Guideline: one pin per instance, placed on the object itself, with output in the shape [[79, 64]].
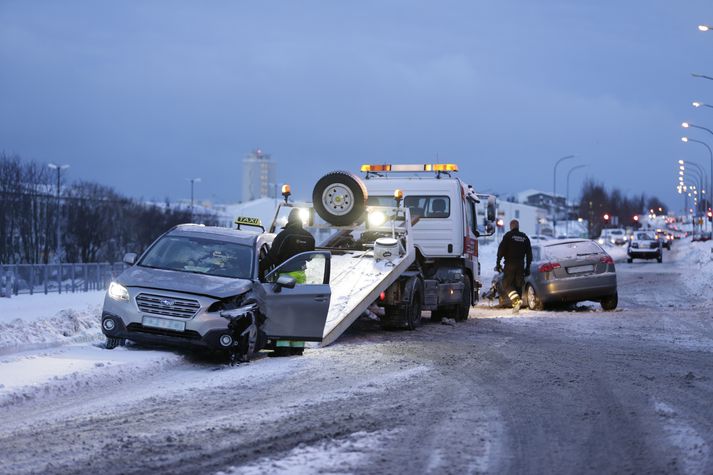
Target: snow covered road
[[581, 391]]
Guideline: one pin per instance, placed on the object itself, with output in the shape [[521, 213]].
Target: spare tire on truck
[[340, 198]]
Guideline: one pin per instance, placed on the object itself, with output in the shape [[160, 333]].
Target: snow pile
[[41, 321], [697, 262], [342, 455]]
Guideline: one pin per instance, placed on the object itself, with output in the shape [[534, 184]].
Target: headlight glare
[[377, 218], [118, 292]]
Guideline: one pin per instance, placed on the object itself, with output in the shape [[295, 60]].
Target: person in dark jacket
[[292, 240], [515, 248]]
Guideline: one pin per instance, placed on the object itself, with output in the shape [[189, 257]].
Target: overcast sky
[[142, 95]]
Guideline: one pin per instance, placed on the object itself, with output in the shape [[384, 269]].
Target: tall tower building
[[258, 176]]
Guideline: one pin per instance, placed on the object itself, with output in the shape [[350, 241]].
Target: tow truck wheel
[[340, 198], [413, 319], [463, 308], [437, 315]]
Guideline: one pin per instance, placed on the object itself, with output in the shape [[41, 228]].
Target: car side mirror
[[286, 281], [129, 258]]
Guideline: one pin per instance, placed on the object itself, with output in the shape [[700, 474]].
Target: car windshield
[[571, 250], [644, 237], [200, 255]]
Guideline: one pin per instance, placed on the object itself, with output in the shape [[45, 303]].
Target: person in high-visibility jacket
[[292, 240], [516, 249]]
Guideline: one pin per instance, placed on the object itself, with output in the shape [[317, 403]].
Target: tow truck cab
[[445, 214]]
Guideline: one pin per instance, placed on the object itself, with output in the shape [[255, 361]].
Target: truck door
[[298, 313]]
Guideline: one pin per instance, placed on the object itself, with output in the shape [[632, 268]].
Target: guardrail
[[16, 279]]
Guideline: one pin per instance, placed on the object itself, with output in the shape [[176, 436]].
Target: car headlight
[[376, 218], [118, 292]]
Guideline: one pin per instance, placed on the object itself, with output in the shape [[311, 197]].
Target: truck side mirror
[[286, 281], [129, 258], [491, 208]]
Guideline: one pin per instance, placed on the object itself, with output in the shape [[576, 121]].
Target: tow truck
[[402, 240]]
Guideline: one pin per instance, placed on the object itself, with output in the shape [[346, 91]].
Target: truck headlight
[[118, 292], [376, 218]]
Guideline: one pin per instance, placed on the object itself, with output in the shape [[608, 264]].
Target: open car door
[[297, 313]]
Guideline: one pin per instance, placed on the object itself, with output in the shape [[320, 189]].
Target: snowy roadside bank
[[30, 322], [696, 260]]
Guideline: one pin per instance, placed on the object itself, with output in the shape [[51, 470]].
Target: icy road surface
[[580, 391]]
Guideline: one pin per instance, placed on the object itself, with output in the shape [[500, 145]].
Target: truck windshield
[[200, 256]]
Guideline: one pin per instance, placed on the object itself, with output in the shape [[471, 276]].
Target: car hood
[[174, 281]]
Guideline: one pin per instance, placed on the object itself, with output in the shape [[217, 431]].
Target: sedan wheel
[[533, 300]]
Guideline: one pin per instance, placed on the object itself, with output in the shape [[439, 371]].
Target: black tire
[[340, 198], [112, 343], [463, 308], [533, 300], [437, 315], [413, 319], [610, 302]]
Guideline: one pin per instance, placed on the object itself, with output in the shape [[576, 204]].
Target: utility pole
[[554, 194], [59, 168], [193, 180]]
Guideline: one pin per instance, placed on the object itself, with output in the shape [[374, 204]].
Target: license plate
[[580, 269], [164, 324]]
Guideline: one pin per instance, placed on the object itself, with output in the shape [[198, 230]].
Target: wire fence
[[16, 279]]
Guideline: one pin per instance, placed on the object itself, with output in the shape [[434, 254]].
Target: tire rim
[[338, 199], [531, 297]]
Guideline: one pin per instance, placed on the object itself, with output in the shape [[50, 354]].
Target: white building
[[533, 220], [258, 176]]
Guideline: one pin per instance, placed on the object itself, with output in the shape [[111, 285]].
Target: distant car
[[613, 236], [570, 271], [665, 237], [539, 237], [644, 245]]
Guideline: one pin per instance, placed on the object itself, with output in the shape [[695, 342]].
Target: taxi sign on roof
[[248, 221]]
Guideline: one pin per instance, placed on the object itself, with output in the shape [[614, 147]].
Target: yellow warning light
[[286, 190], [398, 194], [445, 167], [376, 168]]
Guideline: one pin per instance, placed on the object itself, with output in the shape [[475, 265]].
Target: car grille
[[654, 245], [139, 328], [167, 306]]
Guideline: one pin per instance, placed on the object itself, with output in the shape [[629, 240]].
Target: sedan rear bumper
[[574, 289]]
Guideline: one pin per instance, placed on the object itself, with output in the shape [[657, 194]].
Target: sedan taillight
[[549, 267], [607, 260]]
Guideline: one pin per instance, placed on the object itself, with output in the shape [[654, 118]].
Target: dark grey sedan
[[570, 271]]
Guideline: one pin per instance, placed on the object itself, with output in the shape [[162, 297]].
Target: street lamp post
[[710, 156], [698, 104], [59, 168], [193, 181], [702, 76], [704, 28], [554, 193], [569, 173]]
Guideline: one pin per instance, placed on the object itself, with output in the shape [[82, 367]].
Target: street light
[[569, 173], [554, 192], [710, 156], [702, 76], [58, 251], [697, 104], [704, 28], [193, 181]]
